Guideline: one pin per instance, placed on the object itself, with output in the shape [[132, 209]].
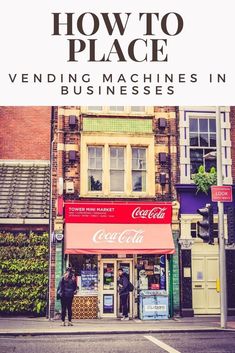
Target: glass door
[[126, 265], [108, 288], [109, 298]]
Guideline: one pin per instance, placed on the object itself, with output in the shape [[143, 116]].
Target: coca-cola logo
[[127, 236], [153, 213]]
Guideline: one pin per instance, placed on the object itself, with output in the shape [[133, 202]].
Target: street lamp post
[[222, 257]]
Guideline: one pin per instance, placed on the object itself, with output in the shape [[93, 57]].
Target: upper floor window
[[138, 169], [202, 139], [120, 165], [117, 169], [117, 108], [94, 108], [95, 169], [138, 108]]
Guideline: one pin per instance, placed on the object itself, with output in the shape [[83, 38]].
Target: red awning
[[106, 238]]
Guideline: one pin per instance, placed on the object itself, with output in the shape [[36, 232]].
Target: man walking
[[123, 290]]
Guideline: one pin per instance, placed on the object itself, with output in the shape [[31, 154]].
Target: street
[[197, 342]]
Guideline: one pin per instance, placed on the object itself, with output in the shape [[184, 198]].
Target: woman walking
[[65, 292]]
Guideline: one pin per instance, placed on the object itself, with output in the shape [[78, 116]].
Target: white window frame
[[116, 169], [206, 149], [96, 169], [133, 170], [184, 114], [127, 142]]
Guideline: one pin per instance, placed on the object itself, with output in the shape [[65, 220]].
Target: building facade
[[114, 205], [24, 208], [199, 262]]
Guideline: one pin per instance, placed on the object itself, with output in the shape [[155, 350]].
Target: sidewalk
[[42, 326]]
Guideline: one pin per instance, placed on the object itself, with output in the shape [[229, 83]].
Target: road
[[200, 342]]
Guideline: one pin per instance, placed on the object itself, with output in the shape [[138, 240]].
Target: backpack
[[131, 287]]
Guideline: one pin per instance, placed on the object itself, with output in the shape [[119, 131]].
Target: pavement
[[15, 326]]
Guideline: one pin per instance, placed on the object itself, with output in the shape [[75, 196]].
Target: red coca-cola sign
[[118, 212]]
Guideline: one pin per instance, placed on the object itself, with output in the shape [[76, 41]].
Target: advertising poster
[[117, 145]]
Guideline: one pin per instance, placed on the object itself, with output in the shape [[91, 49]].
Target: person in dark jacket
[[123, 290], [67, 288]]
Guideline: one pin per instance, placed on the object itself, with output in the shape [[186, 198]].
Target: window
[[202, 139], [94, 108], [86, 271], [95, 169], [117, 165], [138, 169], [116, 108], [116, 168], [138, 108]]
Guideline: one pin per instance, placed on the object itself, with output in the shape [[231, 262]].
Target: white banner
[[107, 53]]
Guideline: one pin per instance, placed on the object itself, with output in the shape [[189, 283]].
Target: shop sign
[[126, 212], [97, 238], [221, 193]]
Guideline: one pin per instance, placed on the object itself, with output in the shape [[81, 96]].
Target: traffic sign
[[221, 193]]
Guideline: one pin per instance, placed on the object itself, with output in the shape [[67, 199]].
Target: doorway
[[109, 303], [206, 297]]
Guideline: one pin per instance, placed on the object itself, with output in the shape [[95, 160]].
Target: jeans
[[66, 303], [124, 304]]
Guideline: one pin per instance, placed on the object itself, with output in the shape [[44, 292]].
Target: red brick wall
[[232, 121], [25, 133]]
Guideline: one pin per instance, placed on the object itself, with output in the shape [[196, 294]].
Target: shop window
[[108, 276], [138, 169], [95, 169], [117, 169], [202, 140], [86, 270], [151, 271]]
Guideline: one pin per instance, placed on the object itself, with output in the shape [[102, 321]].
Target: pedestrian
[[65, 292], [123, 290]]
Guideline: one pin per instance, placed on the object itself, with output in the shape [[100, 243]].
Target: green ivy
[[205, 180], [23, 273]]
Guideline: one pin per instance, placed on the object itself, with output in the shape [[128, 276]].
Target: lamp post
[[222, 257]]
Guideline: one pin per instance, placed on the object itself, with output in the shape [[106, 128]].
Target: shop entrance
[[109, 303]]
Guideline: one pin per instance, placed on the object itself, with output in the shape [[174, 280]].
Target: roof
[[24, 192]]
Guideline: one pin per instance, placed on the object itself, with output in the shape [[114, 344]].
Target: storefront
[[102, 237]]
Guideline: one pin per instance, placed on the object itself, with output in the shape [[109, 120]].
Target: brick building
[[107, 161], [25, 167]]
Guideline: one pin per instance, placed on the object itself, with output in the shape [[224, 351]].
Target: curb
[[113, 332]]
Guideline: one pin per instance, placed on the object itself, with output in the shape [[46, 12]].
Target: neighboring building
[[199, 262], [24, 208], [111, 167], [24, 168]]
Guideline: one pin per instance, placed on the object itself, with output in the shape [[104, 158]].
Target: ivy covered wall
[[23, 273]]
